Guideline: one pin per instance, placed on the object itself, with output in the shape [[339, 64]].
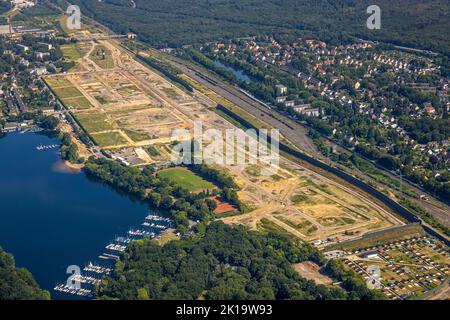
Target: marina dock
[[97, 269], [94, 272], [71, 290], [47, 147]]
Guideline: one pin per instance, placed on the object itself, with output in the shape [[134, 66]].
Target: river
[[50, 217]]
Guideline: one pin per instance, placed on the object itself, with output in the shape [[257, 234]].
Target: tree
[[227, 262], [143, 294], [49, 123], [212, 205], [18, 283]]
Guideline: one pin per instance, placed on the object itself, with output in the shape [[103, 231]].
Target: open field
[[58, 82], [102, 57], [311, 271], [167, 236], [95, 123], [133, 103], [108, 139], [75, 51], [314, 208], [302, 225], [78, 103], [67, 92], [186, 179], [267, 225]]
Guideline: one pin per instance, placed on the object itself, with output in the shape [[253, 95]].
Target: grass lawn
[[94, 122], [136, 136], [108, 139], [58, 82], [266, 225], [79, 103], [71, 51], [152, 151], [67, 92], [186, 179]]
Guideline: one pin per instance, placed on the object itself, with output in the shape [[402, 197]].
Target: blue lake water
[[239, 74], [51, 218]]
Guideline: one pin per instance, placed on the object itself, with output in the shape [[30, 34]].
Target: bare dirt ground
[[326, 209], [309, 270]]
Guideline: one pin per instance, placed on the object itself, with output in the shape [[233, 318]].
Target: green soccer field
[[186, 179]]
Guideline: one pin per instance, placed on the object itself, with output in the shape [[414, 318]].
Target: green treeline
[[223, 180], [18, 283], [264, 78], [436, 185], [48, 123], [158, 192], [81, 134], [220, 178], [69, 150], [173, 23], [226, 263], [200, 58]]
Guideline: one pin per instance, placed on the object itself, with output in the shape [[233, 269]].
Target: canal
[[239, 74], [51, 217]]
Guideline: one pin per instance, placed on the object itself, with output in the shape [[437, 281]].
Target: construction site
[[131, 111]]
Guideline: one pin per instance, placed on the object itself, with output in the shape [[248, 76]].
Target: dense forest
[[172, 23], [17, 283], [226, 263]]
